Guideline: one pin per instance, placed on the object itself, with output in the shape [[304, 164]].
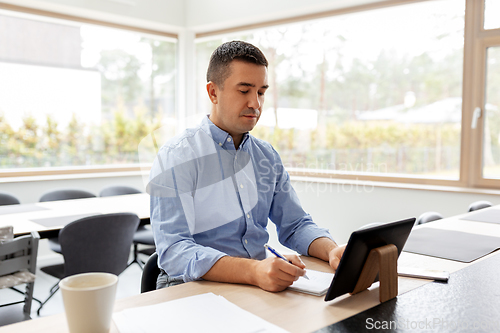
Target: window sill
[[394, 185], [69, 176]]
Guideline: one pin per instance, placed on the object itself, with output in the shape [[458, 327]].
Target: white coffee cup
[[88, 301]]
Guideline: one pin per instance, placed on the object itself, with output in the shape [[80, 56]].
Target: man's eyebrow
[[246, 84]]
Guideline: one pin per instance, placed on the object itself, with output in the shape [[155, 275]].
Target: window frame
[[478, 44]]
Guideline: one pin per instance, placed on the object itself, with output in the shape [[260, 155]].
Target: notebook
[[317, 285]]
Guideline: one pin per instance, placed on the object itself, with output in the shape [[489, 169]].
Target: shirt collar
[[220, 136]]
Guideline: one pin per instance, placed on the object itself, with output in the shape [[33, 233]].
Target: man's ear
[[212, 92]]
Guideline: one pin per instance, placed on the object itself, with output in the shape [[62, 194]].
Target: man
[[214, 187]]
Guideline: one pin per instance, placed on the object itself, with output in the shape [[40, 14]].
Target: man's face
[[238, 106]]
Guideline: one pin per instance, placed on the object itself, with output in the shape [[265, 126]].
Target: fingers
[[296, 260], [335, 256], [294, 270], [334, 263], [277, 274]]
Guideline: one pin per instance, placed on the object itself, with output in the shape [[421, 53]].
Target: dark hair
[[218, 67]]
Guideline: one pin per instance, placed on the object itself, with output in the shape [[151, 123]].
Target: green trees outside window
[[87, 99]]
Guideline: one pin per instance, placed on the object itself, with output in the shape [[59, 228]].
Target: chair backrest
[[99, 243], [8, 199], [65, 194], [118, 190], [369, 225], [19, 253], [428, 217], [150, 274], [479, 205]]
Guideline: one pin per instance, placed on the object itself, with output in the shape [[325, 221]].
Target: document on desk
[[317, 285], [488, 216], [201, 313], [450, 244]]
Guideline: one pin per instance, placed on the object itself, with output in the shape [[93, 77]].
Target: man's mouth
[[254, 114]]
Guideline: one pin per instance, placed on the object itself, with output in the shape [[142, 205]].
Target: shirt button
[[241, 185], [228, 139], [246, 241], [248, 215], [220, 143]]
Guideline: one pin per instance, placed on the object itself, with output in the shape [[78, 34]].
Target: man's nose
[[254, 101]]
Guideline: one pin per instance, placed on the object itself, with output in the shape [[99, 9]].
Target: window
[[491, 17], [491, 140], [364, 93], [398, 91], [79, 95]]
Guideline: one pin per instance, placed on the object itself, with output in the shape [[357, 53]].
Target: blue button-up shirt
[[209, 200]]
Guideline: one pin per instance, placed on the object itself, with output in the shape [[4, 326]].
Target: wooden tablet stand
[[384, 261]]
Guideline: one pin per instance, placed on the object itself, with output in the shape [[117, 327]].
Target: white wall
[[343, 208], [202, 15], [195, 15], [163, 15]]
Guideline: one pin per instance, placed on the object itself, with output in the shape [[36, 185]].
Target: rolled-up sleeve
[[178, 254], [295, 227]]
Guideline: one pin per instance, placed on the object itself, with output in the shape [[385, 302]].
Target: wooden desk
[[304, 313], [293, 311], [24, 218]]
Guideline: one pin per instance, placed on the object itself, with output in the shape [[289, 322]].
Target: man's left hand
[[335, 255]]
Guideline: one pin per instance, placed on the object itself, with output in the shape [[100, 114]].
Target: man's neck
[[237, 140]]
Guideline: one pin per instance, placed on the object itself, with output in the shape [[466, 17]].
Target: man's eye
[[261, 93], [243, 91]]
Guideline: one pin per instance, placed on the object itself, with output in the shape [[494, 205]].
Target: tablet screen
[[359, 246]]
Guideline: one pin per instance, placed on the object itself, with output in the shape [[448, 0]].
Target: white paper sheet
[[317, 285], [201, 313]]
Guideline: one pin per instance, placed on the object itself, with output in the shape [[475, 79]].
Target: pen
[[277, 254]]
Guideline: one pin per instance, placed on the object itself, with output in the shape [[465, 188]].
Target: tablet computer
[[359, 246]]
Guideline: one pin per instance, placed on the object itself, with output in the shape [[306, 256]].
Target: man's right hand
[[275, 274]]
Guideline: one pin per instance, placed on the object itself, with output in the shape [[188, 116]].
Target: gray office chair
[[143, 235], [118, 190], [150, 274], [369, 225], [63, 194], [99, 243], [479, 205], [8, 199], [17, 266], [428, 217]]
